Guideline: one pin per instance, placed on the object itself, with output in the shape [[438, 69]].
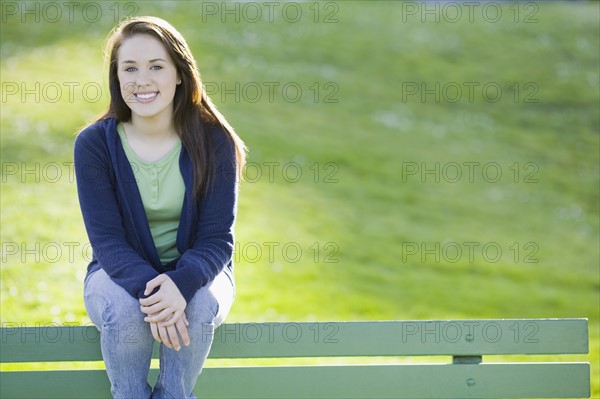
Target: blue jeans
[[126, 339]]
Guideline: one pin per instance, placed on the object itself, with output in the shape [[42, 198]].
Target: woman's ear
[[178, 80]]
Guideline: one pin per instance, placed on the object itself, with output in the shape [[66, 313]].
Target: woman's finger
[[154, 329], [157, 307], [182, 329], [169, 322], [155, 282], [164, 336], [152, 299], [160, 316], [172, 331]]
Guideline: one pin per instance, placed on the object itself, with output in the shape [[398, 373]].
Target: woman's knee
[[212, 303], [108, 303], [203, 308]]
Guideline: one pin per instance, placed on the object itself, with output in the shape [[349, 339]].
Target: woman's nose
[[142, 79]]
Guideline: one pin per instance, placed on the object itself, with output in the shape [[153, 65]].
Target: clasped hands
[[165, 312]]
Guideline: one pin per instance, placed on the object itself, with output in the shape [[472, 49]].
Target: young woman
[[157, 183]]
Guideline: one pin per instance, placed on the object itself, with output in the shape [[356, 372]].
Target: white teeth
[[146, 96]]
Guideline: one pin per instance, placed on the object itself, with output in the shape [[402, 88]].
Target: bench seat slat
[[531, 380], [385, 338]]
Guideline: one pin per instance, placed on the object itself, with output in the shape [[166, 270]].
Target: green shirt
[[162, 190]]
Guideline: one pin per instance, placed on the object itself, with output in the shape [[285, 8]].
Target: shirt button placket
[[154, 184]]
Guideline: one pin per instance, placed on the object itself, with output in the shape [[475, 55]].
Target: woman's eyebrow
[[149, 61]]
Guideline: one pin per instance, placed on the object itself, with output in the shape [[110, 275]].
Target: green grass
[[362, 209]]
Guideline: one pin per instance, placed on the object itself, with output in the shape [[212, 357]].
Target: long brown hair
[[193, 111]]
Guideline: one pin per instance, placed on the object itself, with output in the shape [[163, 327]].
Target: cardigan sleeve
[[213, 245], [96, 188]]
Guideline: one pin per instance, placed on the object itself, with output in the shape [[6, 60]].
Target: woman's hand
[[164, 307], [168, 335]]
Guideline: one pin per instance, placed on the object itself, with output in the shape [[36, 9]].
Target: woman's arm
[[102, 216], [211, 251], [214, 241]]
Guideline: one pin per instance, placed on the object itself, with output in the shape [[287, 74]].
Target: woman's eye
[[129, 69], [156, 67]]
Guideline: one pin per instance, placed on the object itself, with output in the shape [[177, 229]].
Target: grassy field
[[400, 168]]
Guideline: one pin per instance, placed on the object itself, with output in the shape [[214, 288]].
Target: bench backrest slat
[[324, 339]]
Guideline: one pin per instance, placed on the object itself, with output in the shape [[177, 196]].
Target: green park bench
[[466, 376]]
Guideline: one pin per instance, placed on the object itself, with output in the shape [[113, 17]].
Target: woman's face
[[147, 76]]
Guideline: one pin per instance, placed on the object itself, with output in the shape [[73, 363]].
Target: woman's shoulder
[[219, 136], [100, 126], [223, 144], [214, 129], [96, 132]]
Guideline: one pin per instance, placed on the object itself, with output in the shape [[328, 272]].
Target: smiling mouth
[[146, 96]]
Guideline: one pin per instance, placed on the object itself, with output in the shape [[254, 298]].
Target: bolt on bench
[[467, 341]]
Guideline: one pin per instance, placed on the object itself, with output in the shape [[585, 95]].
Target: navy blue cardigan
[[116, 222]]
